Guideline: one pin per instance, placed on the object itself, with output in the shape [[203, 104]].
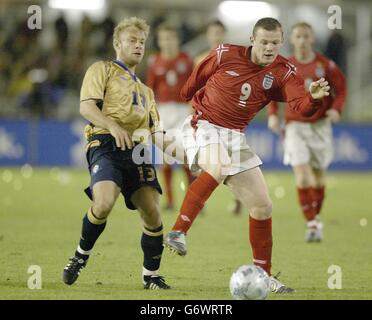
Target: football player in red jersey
[[228, 88], [167, 73], [308, 146]]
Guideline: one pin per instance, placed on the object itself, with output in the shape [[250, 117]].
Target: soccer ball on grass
[[249, 282]]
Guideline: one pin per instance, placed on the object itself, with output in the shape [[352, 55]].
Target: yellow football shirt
[[121, 96]]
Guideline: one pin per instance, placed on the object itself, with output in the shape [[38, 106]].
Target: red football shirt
[[228, 89], [167, 76], [312, 71]]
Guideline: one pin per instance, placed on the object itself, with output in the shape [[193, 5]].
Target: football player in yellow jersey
[[117, 105]]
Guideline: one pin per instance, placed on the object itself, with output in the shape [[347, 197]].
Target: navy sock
[[89, 235], [152, 246]]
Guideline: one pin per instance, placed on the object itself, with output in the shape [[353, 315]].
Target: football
[[249, 282]]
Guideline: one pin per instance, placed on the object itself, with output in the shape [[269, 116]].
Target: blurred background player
[[167, 72], [117, 103], [215, 34], [308, 145]]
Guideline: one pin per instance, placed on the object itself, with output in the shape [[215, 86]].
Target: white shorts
[[308, 143], [241, 155], [173, 114]]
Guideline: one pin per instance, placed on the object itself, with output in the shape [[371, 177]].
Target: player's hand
[[123, 139], [273, 123], [319, 89], [333, 115], [170, 146]]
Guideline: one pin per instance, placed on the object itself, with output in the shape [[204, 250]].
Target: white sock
[[146, 272], [81, 251]]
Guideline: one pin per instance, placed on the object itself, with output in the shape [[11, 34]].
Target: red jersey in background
[[167, 76], [320, 67]]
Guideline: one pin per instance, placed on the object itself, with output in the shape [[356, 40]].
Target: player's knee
[[151, 216], [218, 171], [304, 178], [262, 211], [152, 210], [303, 181], [102, 208]]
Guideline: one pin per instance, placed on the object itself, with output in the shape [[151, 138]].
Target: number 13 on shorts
[[146, 174]]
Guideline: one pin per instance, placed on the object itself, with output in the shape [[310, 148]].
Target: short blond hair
[[130, 22], [303, 25]]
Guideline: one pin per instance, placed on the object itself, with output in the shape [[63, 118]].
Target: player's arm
[[273, 121], [169, 145], [339, 91], [306, 103], [90, 111], [92, 91], [165, 143], [199, 76]]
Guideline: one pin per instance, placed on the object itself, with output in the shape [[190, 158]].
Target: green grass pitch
[[40, 221]]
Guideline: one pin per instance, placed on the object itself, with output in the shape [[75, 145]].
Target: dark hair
[[269, 24], [216, 23]]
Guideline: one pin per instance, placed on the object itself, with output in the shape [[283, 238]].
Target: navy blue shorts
[[107, 162]]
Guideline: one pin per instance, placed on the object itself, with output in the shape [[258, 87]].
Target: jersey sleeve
[[154, 117], [337, 83], [199, 76], [293, 92], [94, 82]]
